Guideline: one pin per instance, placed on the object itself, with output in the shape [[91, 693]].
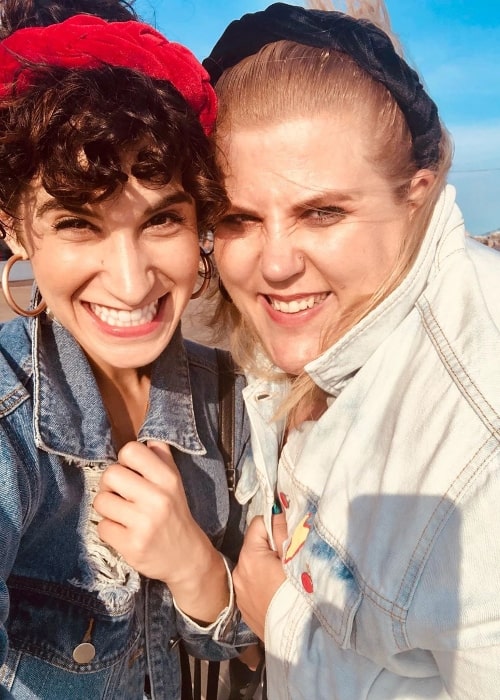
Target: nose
[[281, 259], [128, 271]]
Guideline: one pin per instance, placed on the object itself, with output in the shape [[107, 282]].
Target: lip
[[141, 331], [297, 318]]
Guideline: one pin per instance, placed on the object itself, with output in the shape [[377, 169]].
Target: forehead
[[312, 153], [136, 195]]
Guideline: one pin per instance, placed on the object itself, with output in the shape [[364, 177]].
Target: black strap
[[191, 683], [243, 684], [212, 680], [226, 446], [186, 682], [227, 392]]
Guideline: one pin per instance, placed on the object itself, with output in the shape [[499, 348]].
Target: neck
[[125, 395]]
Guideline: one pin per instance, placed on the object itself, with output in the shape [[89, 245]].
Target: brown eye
[[72, 222], [236, 222], [166, 218]]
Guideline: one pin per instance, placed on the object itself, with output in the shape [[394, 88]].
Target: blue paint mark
[[323, 551], [341, 570]]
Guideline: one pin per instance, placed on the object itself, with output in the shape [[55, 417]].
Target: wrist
[[202, 590]]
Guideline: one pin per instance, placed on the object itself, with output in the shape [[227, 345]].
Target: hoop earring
[[224, 293], [8, 295], [206, 275]]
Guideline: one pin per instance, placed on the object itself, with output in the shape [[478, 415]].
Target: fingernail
[[276, 509]]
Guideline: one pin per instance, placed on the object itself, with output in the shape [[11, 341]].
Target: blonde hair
[[285, 79], [374, 11]]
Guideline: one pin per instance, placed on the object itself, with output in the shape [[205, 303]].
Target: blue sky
[[454, 45]]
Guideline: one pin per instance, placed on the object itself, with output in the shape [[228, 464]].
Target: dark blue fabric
[[368, 45]]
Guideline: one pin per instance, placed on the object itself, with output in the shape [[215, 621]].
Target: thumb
[[161, 450], [280, 532], [256, 534]]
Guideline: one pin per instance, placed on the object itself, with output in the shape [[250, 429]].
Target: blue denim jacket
[[76, 622], [391, 498]]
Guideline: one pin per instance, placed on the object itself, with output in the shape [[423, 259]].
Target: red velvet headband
[[85, 41]]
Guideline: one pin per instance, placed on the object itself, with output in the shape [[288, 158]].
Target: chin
[[293, 361], [292, 366]]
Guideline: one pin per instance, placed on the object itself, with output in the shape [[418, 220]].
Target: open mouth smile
[[121, 318], [296, 305]]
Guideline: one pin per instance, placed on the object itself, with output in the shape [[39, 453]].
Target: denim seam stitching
[[432, 325]]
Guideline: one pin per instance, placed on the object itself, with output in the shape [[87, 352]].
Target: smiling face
[[313, 231], [117, 274]]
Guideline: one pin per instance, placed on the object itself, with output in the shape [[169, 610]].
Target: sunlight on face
[[313, 232], [117, 274]]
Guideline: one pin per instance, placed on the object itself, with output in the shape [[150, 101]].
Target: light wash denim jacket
[[76, 622], [392, 497]]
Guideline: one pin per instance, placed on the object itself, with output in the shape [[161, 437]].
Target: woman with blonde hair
[[369, 328]]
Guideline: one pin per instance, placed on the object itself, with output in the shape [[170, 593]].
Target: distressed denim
[[392, 497], [63, 592]]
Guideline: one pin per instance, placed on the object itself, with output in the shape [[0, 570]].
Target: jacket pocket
[[68, 627]]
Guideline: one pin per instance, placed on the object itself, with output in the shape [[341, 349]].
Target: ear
[[420, 187], [11, 239]]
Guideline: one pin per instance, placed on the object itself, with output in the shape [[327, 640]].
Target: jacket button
[[84, 653], [307, 583], [173, 642]]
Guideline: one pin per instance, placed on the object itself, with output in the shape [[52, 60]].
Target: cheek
[[55, 275], [234, 259], [191, 280], [194, 266], [358, 268], [180, 261]]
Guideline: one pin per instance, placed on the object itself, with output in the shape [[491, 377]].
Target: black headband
[[368, 45]]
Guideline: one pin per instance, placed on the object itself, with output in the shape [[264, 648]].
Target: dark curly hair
[[19, 14], [103, 113]]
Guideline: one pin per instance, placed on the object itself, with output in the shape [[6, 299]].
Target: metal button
[[173, 642], [84, 653]]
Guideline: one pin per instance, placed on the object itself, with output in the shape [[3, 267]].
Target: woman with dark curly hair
[[107, 186]]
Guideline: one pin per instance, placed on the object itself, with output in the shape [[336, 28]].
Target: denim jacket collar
[[81, 432], [333, 369]]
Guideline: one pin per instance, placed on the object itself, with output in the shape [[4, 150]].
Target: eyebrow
[[54, 205], [176, 197], [325, 197], [318, 200]]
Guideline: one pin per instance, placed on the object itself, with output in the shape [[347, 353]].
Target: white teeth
[[125, 319], [293, 307]]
